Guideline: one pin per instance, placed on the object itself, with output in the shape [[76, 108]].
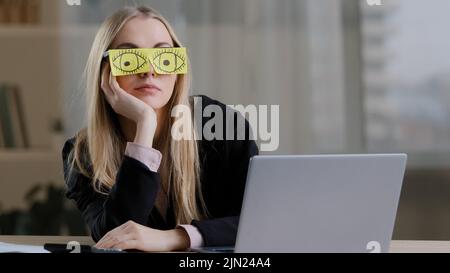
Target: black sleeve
[[131, 198], [222, 231]]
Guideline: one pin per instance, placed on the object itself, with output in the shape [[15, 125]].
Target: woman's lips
[[148, 88]]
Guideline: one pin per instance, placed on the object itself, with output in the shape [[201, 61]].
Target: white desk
[[420, 247], [396, 246]]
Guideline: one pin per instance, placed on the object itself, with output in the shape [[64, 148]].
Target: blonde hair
[[103, 141]]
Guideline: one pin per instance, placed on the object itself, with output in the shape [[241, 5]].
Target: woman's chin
[[154, 103], [155, 100]]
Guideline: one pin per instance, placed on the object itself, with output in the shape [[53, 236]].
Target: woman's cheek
[[125, 82], [171, 84]]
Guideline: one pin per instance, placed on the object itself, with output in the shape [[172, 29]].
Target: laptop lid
[[321, 203]]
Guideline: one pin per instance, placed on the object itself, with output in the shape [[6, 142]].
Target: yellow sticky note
[[138, 60]]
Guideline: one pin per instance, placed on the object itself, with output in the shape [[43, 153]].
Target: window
[[407, 79]]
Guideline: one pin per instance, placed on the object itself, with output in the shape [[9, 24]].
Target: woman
[[136, 186]]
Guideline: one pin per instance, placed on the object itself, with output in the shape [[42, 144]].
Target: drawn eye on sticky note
[[128, 61], [169, 60], [138, 60]]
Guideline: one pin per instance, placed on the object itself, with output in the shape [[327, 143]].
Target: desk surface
[[396, 246], [41, 240]]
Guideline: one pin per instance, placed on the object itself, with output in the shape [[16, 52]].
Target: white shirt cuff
[[146, 155], [195, 237]]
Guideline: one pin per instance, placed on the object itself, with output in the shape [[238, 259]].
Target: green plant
[[54, 215]]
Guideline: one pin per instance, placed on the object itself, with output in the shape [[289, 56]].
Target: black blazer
[[224, 165]]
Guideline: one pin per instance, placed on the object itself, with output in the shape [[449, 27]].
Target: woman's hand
[[130, 107], [135, 236], [123, 103]]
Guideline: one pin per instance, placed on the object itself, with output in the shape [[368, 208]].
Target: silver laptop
[[320, 203]]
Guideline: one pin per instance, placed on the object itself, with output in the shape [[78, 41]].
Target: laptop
[[319, 203]]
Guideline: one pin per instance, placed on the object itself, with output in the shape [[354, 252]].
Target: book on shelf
[[15, 11], [5, 120], [20, 11], [33, 11], [12, 121], [2, 141], [3, 14]]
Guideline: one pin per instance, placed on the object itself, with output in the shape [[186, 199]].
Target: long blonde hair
[[103, 141]]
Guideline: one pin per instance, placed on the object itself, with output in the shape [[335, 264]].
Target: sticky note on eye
[[138, 60]]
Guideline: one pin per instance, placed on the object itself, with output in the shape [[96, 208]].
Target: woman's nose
[[150, 72]]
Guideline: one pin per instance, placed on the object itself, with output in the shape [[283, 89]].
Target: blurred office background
[[349, 78]]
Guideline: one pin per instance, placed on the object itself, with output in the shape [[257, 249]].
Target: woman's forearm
[[145, 132], [177, 239]]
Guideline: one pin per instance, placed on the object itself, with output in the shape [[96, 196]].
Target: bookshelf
[[49, 90], [29, 34], [45, 59], [32, 52], [27, 30], [26, 155]]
